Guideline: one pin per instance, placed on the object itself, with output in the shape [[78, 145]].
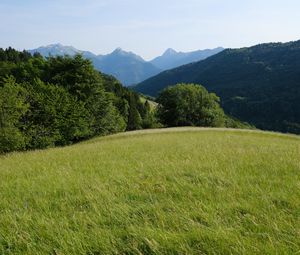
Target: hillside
[[260, 84], [172, 191], [171, 58]]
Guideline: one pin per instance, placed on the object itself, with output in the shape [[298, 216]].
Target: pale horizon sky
[[147, 28]]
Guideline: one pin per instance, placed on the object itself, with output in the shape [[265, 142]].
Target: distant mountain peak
[[58, 46], [172, 58], [120, 52], [119, 49], [54, 45], [56, 49], [169, 52]]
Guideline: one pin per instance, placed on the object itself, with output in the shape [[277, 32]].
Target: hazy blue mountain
[[259, 84], [171, 58], [60, 50], [127, 67]]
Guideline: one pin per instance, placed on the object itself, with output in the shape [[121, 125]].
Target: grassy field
[[176, 191], [153, 104]]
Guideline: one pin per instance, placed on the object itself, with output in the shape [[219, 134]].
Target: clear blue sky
[[147, 27]]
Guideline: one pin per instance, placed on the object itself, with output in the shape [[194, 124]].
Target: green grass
[[175, 191], [153, 104]]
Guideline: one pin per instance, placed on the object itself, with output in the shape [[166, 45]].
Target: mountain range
[[259, 84], [171, 58], [128, 67]]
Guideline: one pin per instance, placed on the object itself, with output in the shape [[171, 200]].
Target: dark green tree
[[81, 80], [134, 117], [149, 119], [105, 118], [189, 105], [12, 108], [54, 117], [75, 74]]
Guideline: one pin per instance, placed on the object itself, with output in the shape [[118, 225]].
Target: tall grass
[[179, 191]]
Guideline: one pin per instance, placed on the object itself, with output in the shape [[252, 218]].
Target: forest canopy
[[61, 100]]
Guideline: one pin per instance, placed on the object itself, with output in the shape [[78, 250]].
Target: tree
[[189, 105], [82, 81], [105, 118], [55, 117], [134, 117], [75, 74], [149, 117], [12, 108]]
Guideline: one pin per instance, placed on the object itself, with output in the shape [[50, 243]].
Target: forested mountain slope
[[260, 84]]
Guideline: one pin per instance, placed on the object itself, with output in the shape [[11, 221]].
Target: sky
[[147, 27]]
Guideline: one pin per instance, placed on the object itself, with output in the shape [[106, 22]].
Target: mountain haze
[[259, 84], [128, 67], [171, 58], [61, 50]]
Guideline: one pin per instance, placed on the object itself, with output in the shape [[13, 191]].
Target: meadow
[[170, 191]]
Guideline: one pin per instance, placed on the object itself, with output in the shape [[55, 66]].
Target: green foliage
[[149, 118], [55, 117], [12, 55], [171, 191], [66, 101], [231, 122], [76, 74], [12, 109], [132, 106], [106, 118], [134, 117], [189, 105], [259, 85]]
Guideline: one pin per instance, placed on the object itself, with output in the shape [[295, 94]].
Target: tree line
[[62, 100]]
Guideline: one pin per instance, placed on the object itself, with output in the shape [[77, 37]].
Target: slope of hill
[[171, 58], [188, 193], [260, 84], [127, 67]]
